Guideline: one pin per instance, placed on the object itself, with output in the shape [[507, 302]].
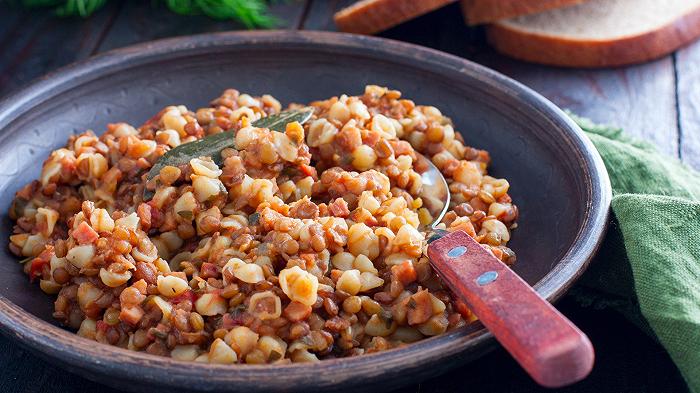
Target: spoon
[[543, 341]]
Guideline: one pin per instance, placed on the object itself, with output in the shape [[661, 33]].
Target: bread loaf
[[485, 11], [599, 33], [373, 16]]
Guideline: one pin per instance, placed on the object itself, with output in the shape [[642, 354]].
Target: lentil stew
[[303, 245]]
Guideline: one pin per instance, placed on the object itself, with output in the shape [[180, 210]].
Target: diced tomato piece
[[145, 218], [309, 259], [405, 272], [465, 226], [505, 198], [37, 264], [84, 234], [370, 221], [308, 170], [187, 295], [156, 215], [131, 315], [37, 267], [370, 138], [102, 326], [335, 274], [339, 208], [296, 311], [208, 270], [464, 310]]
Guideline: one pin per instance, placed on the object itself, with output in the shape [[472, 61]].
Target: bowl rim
[[52, 341]]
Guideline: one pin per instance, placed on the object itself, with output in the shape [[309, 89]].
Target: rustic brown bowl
[[558, 181]]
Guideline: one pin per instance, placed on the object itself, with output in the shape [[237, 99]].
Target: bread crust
[[373, 16], [590, 53], [485, 11]]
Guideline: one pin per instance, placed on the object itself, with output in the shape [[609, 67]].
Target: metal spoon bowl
[[435, 192]]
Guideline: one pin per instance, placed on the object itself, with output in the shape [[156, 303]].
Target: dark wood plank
[[138, 22], [10, 21], [688, 73], [320, 15], [22, 372], [40, 42], [641, 99]]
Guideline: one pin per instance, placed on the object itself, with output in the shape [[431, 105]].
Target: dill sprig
[[251, 13]]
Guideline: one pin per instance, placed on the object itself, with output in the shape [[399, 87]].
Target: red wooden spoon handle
[[545, 343]]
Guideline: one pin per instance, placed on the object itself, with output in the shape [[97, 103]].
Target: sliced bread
[[485, 11], [599, 33], [373, 16]]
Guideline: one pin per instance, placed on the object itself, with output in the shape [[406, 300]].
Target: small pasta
[[171, 286], [299, 285]]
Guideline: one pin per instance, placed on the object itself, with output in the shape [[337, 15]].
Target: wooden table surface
[[657, 101]]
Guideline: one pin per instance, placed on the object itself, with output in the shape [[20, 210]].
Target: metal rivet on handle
[[457, 251], [487, 278]]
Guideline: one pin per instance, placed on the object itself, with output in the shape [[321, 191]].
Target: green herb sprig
[[251, 13]]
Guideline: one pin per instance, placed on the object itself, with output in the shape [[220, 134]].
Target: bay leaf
[[279, 121], [212, 145]]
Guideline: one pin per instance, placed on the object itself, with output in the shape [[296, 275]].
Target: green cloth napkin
[[649, 264]]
